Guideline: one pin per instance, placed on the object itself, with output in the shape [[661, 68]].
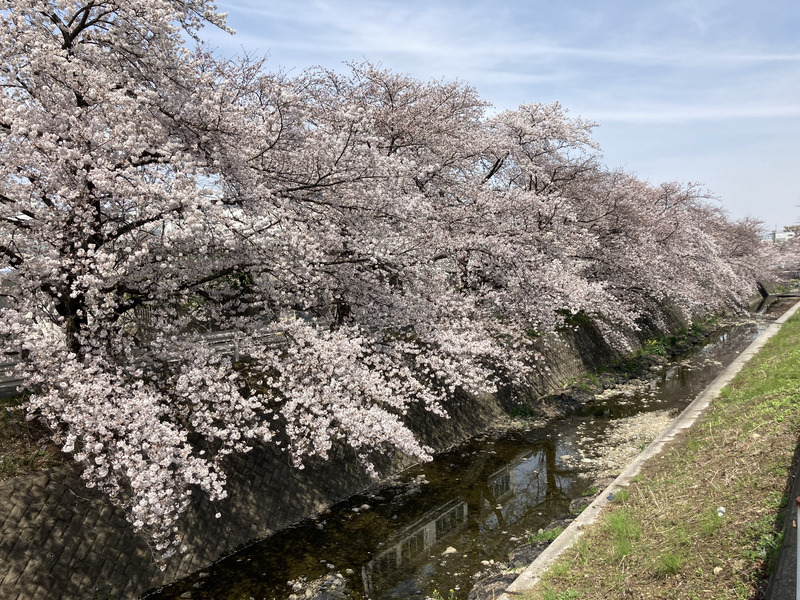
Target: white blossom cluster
[[398, 241]]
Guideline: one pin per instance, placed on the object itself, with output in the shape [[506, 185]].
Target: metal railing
[[797, 556], [8, 381], [225, 342]]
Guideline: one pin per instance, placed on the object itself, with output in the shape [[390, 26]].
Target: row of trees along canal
[[403, 238]]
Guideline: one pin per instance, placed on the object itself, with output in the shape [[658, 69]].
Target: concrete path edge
[[530, 576]]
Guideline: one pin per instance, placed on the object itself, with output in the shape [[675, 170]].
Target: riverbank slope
[[704, 518]]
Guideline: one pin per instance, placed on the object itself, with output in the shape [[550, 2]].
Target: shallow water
[[439, 524]]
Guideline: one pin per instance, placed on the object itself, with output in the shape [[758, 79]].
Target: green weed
[[523, 411], [767, 540], [563, 595], [710, 521], [621, 496], [624, 530], [655, 347], [668, 564], [545, 535]]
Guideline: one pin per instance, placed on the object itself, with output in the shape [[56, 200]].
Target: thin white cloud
[[685, 68], [457, 37], [693, 113]]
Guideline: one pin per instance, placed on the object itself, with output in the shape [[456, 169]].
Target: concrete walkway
[[530, 576]]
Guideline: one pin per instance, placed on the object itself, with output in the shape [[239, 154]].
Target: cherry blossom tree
[[665, 243], [104, 204], [369, 241], [151, 193]]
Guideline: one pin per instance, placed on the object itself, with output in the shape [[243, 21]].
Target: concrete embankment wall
[[59, 539]]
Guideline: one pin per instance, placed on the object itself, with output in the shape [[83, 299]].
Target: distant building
[[778, 237]]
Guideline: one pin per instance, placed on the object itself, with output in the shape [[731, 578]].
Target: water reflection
[[476, 524], [414, 543]]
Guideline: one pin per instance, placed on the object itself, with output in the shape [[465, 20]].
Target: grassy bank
[[25, 446], [703, 519]]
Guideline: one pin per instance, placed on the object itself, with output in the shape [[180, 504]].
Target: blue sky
[[699, 90]]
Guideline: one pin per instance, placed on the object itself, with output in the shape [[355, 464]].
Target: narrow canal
[[443, 525]]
